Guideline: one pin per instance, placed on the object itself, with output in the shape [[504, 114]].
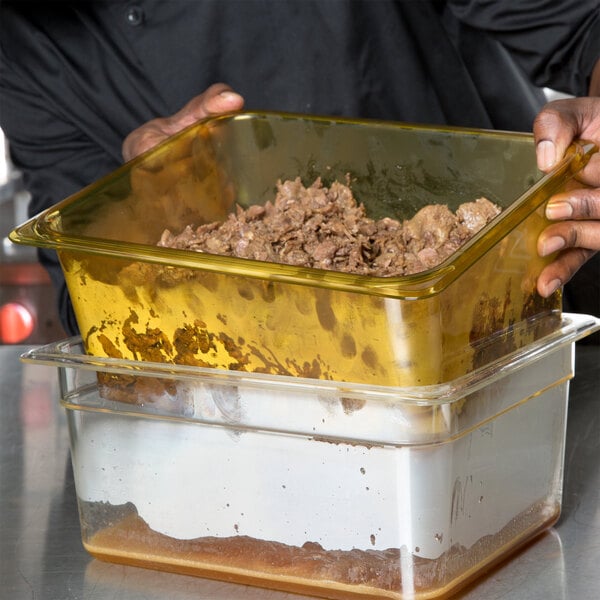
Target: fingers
[[590, 175], [217, 99], [569, 234], [575, 234], [559, 272], [554, 128], [576, 204], [577, 222], [141, 139], [561, 122]]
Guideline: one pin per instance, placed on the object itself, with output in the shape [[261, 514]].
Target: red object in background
[[28, 313], [16, 323]]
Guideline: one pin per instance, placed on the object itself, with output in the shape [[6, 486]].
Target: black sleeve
[[555, 43]]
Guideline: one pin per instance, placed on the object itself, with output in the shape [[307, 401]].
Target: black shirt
[[77, 77]]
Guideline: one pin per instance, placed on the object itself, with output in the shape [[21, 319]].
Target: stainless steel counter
[[41, 556]]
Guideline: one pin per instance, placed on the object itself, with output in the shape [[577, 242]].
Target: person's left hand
[[575, 231], [217, 99]]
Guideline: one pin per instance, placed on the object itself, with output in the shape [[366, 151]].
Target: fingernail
[[559, 210], [552, 287], [227, 95], [552, 245], [546, 155]]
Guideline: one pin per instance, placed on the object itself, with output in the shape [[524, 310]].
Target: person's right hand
[[575, 230], [217, 99]]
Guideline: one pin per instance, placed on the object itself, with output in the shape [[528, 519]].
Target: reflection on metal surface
[[39, 418], [104, 580]]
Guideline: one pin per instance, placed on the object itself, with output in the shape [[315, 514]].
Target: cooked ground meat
[[326, 228]]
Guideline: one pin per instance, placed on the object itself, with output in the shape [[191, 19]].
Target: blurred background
[[28, 313]]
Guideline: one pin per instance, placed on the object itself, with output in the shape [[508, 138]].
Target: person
[[575, 231], [84, 86]]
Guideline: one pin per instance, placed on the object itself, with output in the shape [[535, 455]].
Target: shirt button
[[134, 16]]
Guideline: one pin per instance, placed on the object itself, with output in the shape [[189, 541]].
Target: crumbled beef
[[326, 228]]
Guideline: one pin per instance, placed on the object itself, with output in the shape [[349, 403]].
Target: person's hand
[[575, 230], [217, 99]]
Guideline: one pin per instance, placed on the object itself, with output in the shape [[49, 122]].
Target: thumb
[[554, 128], [219, 98]]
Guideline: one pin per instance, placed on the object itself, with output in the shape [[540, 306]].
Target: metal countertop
[[42, 558]]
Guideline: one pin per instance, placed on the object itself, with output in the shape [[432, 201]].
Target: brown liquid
[[334, 574]]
